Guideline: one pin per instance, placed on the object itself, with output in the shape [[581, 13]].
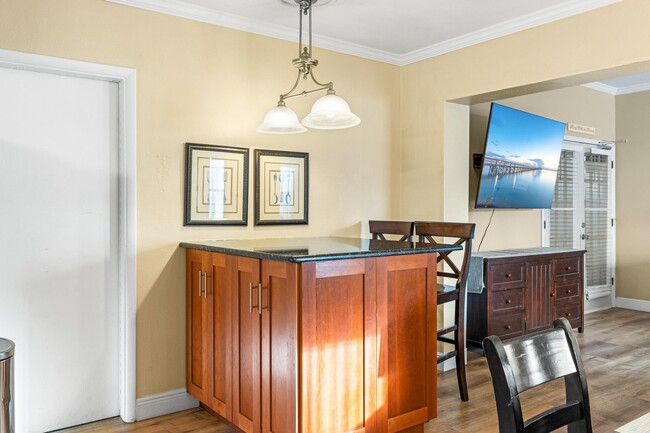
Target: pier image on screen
[[520, 161]]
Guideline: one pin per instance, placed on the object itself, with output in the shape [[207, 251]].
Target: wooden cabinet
[[209, 331], [264, 352], [329, 346], [524, 293]]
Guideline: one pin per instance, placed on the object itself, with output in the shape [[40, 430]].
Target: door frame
[[126, 81], [577, 144]]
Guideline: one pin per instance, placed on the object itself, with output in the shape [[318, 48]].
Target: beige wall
[[632, 203], [564, 53], [521, 228], [561, 54], [202, 83]]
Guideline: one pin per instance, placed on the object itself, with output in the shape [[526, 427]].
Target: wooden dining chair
[[458, 234], [522, 363], [379, 230]]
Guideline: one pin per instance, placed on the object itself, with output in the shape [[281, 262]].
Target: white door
[[583, 217], [59, 231]]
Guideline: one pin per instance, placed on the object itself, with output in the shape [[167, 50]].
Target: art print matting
[[216, 185], [281, 187]]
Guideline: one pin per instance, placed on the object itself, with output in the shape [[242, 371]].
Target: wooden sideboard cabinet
[[524, 291], [326, 346]]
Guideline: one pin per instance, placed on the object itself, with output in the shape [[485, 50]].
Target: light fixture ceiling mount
[[328, 112]]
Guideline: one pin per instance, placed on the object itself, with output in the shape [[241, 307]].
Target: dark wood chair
[[522, 363], [379, 230], [462, 233]]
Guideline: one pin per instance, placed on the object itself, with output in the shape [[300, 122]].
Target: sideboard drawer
[[507, 326], [568, 290], [506, 300], [506, 276], [570, 310], [567, 267]]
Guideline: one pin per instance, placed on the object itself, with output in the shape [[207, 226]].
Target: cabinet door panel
[[406, 321], [197, 324], [539, 294], [279, 347], [338, 346], [221, 335], [246, 343]]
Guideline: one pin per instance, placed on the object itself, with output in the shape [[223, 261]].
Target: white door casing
[[125, 195]]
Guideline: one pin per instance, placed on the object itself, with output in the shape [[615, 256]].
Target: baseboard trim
[[164, 403], [633, 304], [594, 310]]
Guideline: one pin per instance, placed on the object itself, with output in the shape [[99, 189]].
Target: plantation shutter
[[597, 219], [563, 216]]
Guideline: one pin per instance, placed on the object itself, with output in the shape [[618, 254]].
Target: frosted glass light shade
[[281, 120], [331, 112]]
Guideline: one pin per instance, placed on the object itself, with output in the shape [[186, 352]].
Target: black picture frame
[[206, 164], [281, 187]]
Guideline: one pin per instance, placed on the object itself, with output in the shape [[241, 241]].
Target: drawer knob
[[567, 314], [508, 301], [507, 326], [508, 275], [552, 294], [568, 268], [568, 291]]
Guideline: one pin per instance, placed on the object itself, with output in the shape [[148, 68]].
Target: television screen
[[520, 160]]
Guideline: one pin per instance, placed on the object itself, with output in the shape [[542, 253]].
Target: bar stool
[[379, 230], [463, 233]]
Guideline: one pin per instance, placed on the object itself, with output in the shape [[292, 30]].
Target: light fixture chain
[[300, 31]]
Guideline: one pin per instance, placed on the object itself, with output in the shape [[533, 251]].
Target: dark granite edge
[[541, 252], [318, 257]]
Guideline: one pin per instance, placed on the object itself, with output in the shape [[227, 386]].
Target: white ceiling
[[393, 31]]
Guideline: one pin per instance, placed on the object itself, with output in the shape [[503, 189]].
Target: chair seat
[[446, 293]]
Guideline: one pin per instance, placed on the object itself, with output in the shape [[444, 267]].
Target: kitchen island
[[313, 335]]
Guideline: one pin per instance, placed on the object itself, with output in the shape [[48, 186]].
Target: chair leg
[[459, 340], [460, 373]]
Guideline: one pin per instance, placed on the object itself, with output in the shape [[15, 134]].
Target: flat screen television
[[520, 160]]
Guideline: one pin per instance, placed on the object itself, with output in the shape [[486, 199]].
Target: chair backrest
[[462, 233], [525, 362], [379, 230]]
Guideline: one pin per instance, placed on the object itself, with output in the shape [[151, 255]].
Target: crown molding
[[605, 88], [544, 16], [601, 87], [206, 15], [633, 89]]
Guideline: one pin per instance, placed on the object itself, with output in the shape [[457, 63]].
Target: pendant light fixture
[[328, 112]]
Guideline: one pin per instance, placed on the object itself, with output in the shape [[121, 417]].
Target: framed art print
[[281, 187], [216, 185]]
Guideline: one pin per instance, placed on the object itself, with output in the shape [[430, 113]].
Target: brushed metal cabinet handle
[[199, 284], [259, 299], [205, 285], [250, 298]]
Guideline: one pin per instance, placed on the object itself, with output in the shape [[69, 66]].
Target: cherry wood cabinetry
[[524, 293], [264, 355], [209, 331], [328, 346]]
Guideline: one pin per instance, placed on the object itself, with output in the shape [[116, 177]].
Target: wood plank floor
[[615, 350]]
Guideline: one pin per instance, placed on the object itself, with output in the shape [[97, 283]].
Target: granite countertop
[[311, 249], [523, 252]]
